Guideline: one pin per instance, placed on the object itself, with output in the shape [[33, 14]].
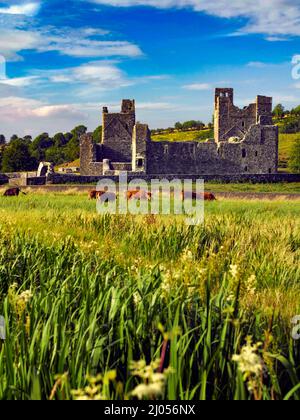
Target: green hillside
[[194, 135]]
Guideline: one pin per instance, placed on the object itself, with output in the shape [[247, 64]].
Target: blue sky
[[65, 60]]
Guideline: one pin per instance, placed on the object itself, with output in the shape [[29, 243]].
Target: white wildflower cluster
[[19, 301], [234, 271], [95, 390], [137, 298], [187, 255], [251, 285], [169, 278], [154, 383], [250, 364]]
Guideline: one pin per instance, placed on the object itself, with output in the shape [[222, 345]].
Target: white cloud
[[100, 74], [198, 86], [19, 81], [276, 18], [26, 8], [154, 106], [26, 110], [75, 43], [257, 64], [278, 98]]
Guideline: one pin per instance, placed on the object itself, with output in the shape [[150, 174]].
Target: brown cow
[[94, 194], [99, 195], [13, 192], [138, 195], [187, 195]]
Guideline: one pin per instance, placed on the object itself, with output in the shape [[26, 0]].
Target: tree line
[[24, 154], [288, 121]]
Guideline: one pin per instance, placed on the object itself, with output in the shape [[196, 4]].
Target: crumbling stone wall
[[231, 121], [91, 156], [246, 142]]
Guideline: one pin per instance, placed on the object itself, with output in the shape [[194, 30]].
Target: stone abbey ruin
[[245, 142]]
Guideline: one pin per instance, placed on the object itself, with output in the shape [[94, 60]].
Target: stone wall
[[3, 179], [90, 156], [59, 179], [245, 142]]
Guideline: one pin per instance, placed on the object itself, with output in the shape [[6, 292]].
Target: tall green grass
[[103, 286]]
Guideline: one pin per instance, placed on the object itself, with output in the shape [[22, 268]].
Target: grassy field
[[280, 188], [286, 142], [155, 308], [197, 135]]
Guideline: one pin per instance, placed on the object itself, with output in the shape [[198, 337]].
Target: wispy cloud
[[18, 81], [198, 86], [275, 18], [84, 43], [25, 8]]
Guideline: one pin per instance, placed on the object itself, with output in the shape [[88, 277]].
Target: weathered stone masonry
[[246, 142]]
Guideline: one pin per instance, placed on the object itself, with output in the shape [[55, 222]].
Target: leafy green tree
[[296, 111], [68, 137], [39, 146], [178, 126], [28, 139], [294, 163], [59, 140], [278, 111], [17, 157], [55, 155], [97, 134], [2, 140], [193, 124], [78, 131]]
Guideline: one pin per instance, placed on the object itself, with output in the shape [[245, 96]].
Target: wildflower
[[234, 271], [251, 285], [19, 301], [251, 366], [249, 362], [187, 255], [154, 383], [136, 298], [95, 390]]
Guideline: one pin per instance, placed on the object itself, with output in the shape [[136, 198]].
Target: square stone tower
[[117, 132]]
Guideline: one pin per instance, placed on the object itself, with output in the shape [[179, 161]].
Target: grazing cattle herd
[[141, 195]]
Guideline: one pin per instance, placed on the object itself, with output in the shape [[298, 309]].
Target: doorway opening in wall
[[256, 153], [270, 170], [246, 169], [140, 163]]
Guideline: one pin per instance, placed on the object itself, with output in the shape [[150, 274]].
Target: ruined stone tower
[[118, 131], [231, 121]]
